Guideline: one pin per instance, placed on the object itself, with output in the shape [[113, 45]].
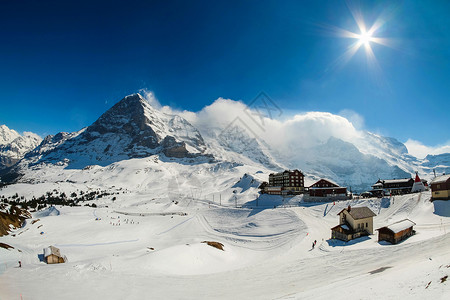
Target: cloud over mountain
[[419, 150]]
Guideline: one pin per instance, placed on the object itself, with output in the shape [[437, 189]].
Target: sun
[[365, 38]]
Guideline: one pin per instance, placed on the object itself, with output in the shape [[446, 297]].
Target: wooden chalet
[[396, 232], [52, 255], [440, 188], [354, 222], [327, 188]]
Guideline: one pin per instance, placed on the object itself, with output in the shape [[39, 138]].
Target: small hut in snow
[[396, 232], [418, 185], [52, 255]]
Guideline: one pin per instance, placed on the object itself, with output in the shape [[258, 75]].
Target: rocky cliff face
[[132, 128]]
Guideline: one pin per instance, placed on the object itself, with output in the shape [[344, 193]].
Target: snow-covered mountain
[[130, 129], [134, 129], [14, 146]]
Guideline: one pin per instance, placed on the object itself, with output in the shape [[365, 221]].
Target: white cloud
[[151, 98], [302, 130], [293, 131], [420, 150], [356, 119]]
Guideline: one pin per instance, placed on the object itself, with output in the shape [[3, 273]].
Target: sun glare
[[365, 38]]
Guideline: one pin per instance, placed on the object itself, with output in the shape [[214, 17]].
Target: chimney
[[349, 208]]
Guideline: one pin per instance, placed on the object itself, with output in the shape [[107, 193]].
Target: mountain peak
[[135, 98], [7, 135]]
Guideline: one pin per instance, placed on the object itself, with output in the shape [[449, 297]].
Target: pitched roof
[[417, 178], [399, 226], [328, 180], [344, 227], [441, 179], [403, 180], [359, 212]]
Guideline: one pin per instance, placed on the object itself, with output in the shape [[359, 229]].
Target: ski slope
[[157, 252]]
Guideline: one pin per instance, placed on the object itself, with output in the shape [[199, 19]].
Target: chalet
[[52, 255], [287, 182], [440, 188], [354, 222], [396, 232], [393, 186], [327, 188]]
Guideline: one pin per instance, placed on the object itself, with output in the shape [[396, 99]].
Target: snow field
[[267, 252]]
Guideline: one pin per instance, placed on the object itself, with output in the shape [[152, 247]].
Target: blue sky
[[63, 63]]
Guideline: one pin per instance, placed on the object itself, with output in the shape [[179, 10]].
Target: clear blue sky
[[63, 63]]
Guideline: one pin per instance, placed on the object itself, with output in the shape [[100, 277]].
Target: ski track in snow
[[96, 244], [267, 253]]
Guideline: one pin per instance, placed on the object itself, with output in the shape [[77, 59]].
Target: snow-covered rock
[[14, 146], [130, 129]]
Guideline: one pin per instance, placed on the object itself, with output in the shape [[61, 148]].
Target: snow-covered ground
[[146, 247]]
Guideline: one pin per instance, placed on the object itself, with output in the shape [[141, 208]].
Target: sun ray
[[345, 57], [376, 72], [357, 15]]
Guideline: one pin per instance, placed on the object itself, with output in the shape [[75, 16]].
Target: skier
[[20, 264], [313, 245], [315, 242]]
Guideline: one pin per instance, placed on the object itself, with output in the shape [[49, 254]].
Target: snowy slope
[[158, 249]]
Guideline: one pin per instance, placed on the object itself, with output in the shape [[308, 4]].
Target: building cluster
[[293, 183], [398, 186], [355, 222]]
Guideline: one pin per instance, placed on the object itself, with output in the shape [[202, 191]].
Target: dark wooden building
[[392, 186], [440, 188], [287, 182], [327, 188], [396, 232]]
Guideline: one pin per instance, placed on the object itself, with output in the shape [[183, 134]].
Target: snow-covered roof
[[404, 180], [51, 250], [441, 179], [400, 225], [330, 181], [359, 212], [345, 227]]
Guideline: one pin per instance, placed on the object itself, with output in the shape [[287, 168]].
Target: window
[[367, 224]]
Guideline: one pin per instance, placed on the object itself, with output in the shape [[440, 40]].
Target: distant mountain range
[[133, 129]]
